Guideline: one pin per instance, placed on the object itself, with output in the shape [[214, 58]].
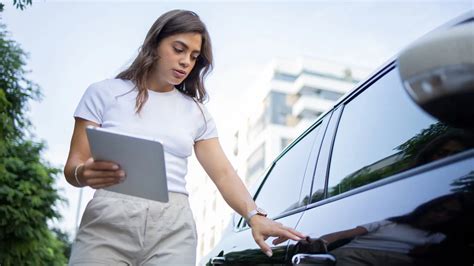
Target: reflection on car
[[386, 177], [403, 240]]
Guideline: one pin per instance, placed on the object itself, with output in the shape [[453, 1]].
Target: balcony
[[309, 82], [309, 107]]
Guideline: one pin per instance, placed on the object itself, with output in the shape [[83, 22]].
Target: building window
[[321, 93], [342, 77], [284, 76], [285, 142], [256, 127], [256, 161], [329, 95], [278, 108]]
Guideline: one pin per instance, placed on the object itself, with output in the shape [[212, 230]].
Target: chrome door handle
[[314, 259], [217, 260]]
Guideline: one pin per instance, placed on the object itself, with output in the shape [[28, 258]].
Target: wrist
[[77, 174], [255, 220], [258, 212]]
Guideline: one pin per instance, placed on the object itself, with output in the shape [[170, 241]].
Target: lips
[[180, 74]]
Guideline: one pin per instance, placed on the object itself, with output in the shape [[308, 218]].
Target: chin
[[175, 82]]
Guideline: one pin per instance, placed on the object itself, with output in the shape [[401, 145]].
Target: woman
[[159, 95]]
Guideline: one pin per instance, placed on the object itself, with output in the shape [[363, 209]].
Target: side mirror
[[438, 73]]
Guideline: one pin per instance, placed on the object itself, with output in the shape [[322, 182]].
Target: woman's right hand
[[100, 174]]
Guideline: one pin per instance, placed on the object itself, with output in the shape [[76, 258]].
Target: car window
[[382, 132], [282, 188]]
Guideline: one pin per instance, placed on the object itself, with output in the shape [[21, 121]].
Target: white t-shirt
[[395, 237], [171, 117]]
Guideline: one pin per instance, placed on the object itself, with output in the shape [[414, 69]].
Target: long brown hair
[[171, 23]]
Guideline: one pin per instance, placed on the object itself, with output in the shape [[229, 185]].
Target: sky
[[72, 44]]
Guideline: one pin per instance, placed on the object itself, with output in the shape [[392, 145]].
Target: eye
[[195, 57], [178, 50]]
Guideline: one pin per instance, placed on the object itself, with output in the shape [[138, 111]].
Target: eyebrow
[[186, 46]]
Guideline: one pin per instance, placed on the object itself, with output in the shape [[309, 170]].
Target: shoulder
[[110, 87], [112, 84]]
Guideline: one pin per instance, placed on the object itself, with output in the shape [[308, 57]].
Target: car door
[[283, 194], [393, 185]]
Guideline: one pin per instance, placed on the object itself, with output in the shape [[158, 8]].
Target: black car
[[386, 177]]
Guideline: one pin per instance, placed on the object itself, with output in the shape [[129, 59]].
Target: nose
[[185, 61]]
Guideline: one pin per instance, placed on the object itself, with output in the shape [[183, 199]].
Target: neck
[[155, 84], [161, 89]]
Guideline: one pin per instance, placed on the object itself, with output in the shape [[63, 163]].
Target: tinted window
[[284, 76], [282, 187], [382, 132]]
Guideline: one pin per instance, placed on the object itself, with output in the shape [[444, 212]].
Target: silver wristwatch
[[252, 213]]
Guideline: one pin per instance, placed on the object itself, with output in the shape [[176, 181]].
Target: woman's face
[[177, 56]]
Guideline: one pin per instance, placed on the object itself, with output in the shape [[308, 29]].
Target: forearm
[[235, 193], [69, 169], [78, 150], [211, 156], [81, 170]]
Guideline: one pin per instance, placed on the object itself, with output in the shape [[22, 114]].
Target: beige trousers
[[118, 229]]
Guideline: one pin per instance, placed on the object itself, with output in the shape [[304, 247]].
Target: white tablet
[[141, 158]]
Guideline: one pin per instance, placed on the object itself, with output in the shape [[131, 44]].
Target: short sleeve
[[208, 128], [92, 104]]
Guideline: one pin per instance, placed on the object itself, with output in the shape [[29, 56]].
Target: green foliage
[[21, 4], [27, 194], [405, 158], [64, 238], [464, 184], [413, 145]]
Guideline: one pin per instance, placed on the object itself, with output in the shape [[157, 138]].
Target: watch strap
[[252, 213]]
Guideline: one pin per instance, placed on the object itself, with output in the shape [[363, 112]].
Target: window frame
[[324, 159], [321, 122], [324, 162]]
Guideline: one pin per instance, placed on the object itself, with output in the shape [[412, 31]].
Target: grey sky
[[72, 44]]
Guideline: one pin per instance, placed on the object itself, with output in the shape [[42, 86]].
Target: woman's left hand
[[263, 228]]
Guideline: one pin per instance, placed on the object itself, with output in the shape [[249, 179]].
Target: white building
[[289, 97], [294, 93]]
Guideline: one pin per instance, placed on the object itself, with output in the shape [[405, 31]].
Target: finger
[[101, 174], [104, 165], [279, 240], [264, 247], [293, 231], [288, 234]]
